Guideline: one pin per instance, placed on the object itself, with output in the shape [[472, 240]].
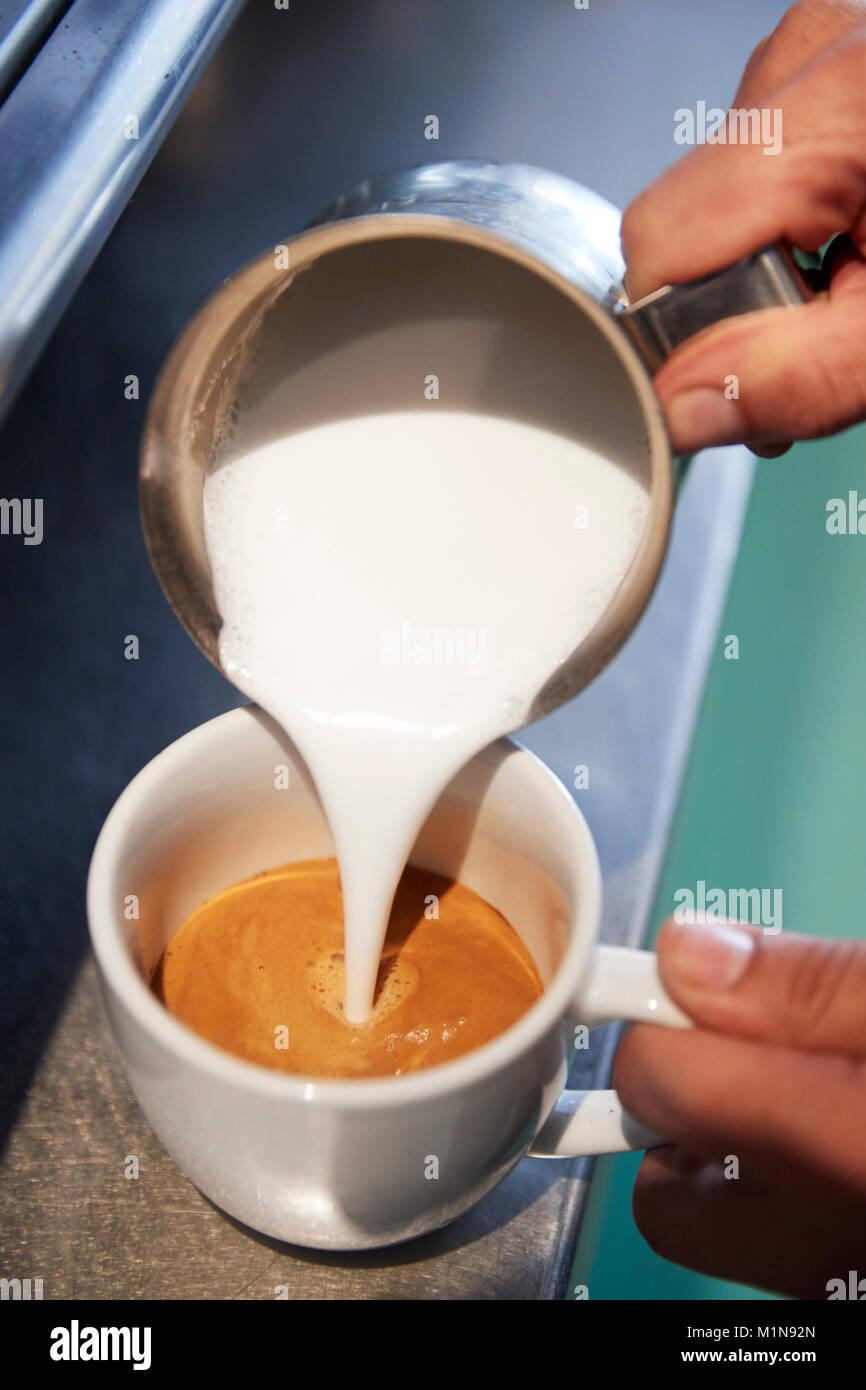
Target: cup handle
[[622, 984]]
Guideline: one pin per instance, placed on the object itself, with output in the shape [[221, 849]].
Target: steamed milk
[[395, 589]]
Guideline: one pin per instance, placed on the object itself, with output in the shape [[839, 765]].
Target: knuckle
[[818, 973], [798, 19], [814, 395], [815, 391], [801, 15], [805, 29], [819, 20], [841, 388]]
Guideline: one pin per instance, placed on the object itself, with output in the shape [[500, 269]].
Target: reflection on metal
[[23, 23], [564, 225], [77, 132]]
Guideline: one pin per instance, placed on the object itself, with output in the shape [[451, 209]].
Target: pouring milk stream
[[395, 588]]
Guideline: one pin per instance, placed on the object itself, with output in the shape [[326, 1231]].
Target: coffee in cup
[[259, 970]]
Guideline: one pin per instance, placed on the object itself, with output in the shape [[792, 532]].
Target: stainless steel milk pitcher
[[557, 235]]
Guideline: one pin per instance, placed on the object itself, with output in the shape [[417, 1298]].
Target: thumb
[[799, 373], [795, 991]]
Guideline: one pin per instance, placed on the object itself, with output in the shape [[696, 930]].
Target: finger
[[775, 374], [722, 202], [804, 31], [748, 1231], [769, 451], [794, 990], [789, 1117]]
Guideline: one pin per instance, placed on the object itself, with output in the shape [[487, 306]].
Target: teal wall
[[774, 791]]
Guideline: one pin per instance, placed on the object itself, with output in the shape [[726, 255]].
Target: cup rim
[[124, 981]]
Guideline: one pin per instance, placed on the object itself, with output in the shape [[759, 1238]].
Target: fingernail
[[710, 957], [704, 416]]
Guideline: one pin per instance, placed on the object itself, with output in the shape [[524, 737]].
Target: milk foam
[[395, 589]]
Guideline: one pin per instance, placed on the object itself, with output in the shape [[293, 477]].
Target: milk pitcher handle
[[623, 984], [658, 323]]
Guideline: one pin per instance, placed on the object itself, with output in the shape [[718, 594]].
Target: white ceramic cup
[[346, 1165]]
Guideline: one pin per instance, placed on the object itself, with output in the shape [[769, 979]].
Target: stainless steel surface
[[658, 323], [69, 157], [72, 1218], [561, 223], [22, 25]]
